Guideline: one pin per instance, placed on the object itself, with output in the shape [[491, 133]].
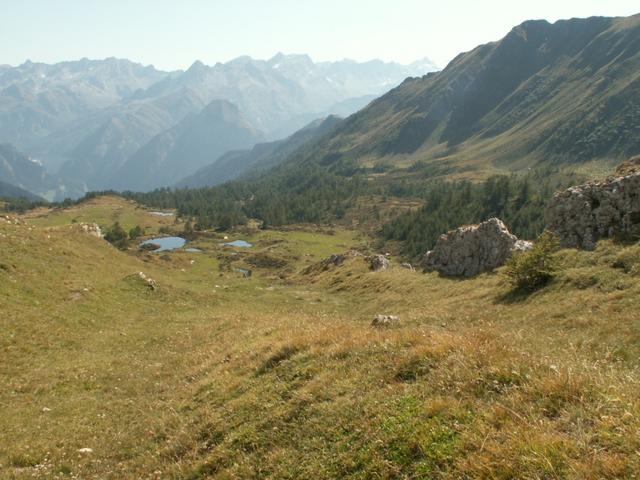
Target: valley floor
[[280, 375]]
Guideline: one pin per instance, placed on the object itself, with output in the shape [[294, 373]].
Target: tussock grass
[[217, 376]]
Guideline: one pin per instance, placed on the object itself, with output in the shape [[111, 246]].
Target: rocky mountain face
[[196, 141], [583, 214], [567, 92], [37, 99], [270, 93], [118, 133], [233, 164], [88, 118]]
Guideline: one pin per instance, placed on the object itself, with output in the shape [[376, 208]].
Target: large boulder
[[581, 215], [473, 249], [378, 263]]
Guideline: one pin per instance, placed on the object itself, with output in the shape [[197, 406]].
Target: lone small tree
[[117, 236], [135, 232], [533, 269]]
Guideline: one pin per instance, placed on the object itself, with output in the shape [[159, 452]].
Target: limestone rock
[[378, 263], [91, 229], [472, 249], [579, 216], [384, 320]]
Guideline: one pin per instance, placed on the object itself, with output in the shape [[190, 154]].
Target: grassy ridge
[[281, 376]]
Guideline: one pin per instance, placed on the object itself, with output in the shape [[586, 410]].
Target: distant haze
[[170, 35]]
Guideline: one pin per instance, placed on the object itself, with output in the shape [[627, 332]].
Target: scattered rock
[[472, 249], [378, 263], [408, 266], [150, 283], [384, 320], [91, 229], [85, 450], [334, 260], [581, 215]]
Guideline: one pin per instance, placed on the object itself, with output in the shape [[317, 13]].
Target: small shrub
[[117, 236], [136, 232], [533, 269]]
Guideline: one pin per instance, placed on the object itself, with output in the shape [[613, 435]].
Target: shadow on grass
[[520, 294]]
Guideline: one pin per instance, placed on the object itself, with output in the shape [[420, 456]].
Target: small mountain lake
[[166, 243], [238, 243]]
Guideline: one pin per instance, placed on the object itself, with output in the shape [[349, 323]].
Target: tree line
[[312, 194]]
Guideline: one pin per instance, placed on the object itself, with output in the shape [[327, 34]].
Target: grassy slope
[[214, 375], [104, 211], [562, 94]]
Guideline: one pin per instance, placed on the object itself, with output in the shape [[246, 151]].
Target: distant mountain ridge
[[234, 164], [25, 173], [88, 118], [11, 191], [196, 141]]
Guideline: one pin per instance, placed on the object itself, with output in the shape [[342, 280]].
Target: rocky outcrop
[[581, 215], [91, 229], [378, 263], [473, 249]]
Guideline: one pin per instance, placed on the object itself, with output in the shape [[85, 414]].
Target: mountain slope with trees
[[562, 93], [261, 157]]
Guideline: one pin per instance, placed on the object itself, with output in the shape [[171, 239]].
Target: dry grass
[[216, 376]]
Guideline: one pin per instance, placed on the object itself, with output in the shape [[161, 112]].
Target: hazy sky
[[171, 34]]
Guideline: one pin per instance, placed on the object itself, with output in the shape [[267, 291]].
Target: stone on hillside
[[91, 229], [141, 278], [473, 249], [408, 266], [384, 320], [333, 260], [378, 263], [579, 216]]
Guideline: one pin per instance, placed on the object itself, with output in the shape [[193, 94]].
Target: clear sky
[[171, 34]]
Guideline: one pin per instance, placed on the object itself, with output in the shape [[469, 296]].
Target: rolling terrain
[[104, 377]]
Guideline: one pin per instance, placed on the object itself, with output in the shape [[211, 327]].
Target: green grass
[[281, 376], [103, 210]]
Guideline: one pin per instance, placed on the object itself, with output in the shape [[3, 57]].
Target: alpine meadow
[[271, 265]]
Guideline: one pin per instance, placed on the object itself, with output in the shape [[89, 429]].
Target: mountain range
[[86, 119], [565, 94]]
